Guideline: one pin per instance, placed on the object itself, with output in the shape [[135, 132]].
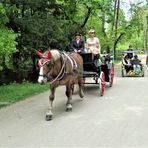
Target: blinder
[[45, 60]]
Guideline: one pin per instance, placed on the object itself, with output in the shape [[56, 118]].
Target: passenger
[[77, 44], [136, 63], [130, 55], [127, 64], [94, 47], [93, 43], [85, 48]]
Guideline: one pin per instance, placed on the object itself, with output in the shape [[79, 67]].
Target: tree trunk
[[103, 24], [115, 25], [146, 35], [86, 17]]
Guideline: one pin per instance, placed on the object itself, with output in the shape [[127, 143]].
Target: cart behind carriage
[[133, 72], [102, 72]]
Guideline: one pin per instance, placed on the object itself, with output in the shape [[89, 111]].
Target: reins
[[63, 58], [63, 69], [58, 77]]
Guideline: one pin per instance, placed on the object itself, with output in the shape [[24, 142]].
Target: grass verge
[[15, 92]]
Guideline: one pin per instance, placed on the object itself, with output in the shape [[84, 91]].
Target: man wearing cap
[[130, 54], [93, 43], [77, 44]]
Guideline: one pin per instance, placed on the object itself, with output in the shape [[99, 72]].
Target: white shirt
[[93, 45]]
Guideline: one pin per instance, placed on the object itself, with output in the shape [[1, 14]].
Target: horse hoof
[[81, 96], [48, 117], [68, 109]]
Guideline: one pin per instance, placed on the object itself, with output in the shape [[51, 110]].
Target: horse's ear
[[49, 54], [38, 53]]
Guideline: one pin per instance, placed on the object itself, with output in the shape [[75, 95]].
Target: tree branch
[[89, 10]]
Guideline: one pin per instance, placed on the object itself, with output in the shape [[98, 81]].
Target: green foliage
[[7, 40], [134, 30], [43, 24], [3, 16]]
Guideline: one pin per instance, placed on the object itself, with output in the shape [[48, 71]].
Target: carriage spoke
[[112, 75]]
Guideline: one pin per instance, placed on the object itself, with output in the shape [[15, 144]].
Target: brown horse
[[60, 69]]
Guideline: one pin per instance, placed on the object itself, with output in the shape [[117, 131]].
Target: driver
[[77, 44]]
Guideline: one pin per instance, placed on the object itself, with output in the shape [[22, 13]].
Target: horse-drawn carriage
[[100, 68], [61, 68], [132, 68]]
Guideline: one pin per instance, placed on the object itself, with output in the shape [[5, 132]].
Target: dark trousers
[[128, 68]]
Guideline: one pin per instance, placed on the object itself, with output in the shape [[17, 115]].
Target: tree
[[7, 41], [115, 25]]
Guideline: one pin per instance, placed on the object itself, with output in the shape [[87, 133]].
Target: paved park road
[[118, 119]]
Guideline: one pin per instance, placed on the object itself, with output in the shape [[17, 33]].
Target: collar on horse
[[63, 72], [63, 58]]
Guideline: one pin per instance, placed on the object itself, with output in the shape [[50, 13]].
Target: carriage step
[[89, 73]]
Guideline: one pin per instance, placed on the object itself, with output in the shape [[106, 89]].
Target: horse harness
[[62, 72]]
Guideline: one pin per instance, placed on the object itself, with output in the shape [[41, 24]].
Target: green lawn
[[15, 92]]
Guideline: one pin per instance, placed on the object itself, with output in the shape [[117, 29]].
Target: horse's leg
[[69, 89], [81, 86], [49, 114], [72, 89]]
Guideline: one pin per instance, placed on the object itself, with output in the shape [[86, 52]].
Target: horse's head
[[45, 65]]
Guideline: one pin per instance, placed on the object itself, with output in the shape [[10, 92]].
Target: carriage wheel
[[102, 83], [122, 71], [112, 75], [142, 71], [84, 80]]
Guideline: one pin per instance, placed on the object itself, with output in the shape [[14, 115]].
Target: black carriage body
[[88, 62], [90, 70], [101, 70]]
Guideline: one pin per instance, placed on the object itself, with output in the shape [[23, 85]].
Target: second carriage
[[129, 69], [100, 69]]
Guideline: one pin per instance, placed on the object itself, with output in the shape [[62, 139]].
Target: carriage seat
[[87, 57]]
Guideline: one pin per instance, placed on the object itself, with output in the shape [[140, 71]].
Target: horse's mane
[[55, 54]]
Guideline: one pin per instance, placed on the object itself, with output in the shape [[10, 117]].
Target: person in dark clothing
[[77, 44], [136, 63], [127, 64], [130, 55]]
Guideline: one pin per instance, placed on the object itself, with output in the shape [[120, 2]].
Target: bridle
[[43, 61], [50, 64], [46, 58]]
